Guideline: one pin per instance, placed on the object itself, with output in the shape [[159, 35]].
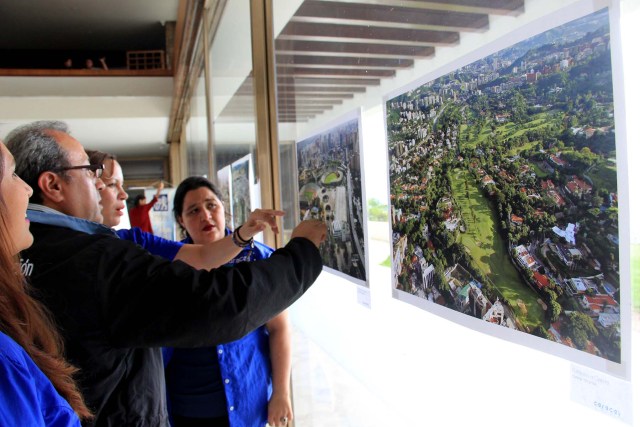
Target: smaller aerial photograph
[[330, 189]]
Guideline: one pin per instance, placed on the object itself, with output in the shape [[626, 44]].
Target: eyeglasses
[[96, 169]]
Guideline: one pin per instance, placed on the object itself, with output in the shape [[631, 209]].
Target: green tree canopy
[[580, 328]]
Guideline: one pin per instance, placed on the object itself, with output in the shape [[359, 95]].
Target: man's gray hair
[[36, 151]]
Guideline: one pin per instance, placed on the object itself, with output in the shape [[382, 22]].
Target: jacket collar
[[44, 215]]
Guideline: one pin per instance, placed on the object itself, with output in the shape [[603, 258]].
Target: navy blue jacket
[[116, 304]]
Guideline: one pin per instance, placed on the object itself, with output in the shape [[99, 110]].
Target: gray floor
[[325, 395]]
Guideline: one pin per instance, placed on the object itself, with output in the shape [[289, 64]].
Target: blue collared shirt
[[28, 397], [45, 215], [231, 379], [167, 249]]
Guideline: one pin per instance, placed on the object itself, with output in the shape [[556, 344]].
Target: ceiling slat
[[328, 89], [336, 96], [282, 60], [492, 7], [366, 72], [304, 30], [310, 47], [328, 81], [390, 16]]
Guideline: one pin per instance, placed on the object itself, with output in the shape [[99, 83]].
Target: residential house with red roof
[[557, 161], [547, 184], [486, 180], [516, 220], [596, 304], [578, 187], [542, 281]]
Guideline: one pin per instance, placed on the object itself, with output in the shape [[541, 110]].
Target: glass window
[[233, 112], [196, 131]]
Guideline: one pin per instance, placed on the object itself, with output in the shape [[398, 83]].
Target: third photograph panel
[[330, 189]]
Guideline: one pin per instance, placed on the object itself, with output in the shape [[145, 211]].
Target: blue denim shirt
[[231, 379]]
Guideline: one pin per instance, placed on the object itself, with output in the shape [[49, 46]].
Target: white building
[[428, 271], [401, 248]]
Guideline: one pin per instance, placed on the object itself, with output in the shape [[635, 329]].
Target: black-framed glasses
[[97, 169]]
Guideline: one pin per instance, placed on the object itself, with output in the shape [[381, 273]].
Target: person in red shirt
[[139, 214]]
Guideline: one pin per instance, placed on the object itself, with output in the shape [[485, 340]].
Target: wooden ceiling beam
[[323, 89], [491, 7], [319, 96], [342, 61], [314, 81], [228, 112], [322, 72], [246, 102], [390, 16], [310, 47], [337, 32]]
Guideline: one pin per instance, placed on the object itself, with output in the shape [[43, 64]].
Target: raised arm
[[159, 188]]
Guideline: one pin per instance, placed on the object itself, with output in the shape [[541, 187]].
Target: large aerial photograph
[[330, 189], [504, 193]]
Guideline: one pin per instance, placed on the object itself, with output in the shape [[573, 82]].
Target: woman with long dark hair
[[36, 383], [264, 355], [244, 383]]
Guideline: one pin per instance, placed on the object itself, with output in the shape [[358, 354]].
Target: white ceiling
[[127, 116]]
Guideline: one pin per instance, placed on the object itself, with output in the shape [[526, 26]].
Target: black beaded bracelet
[[239, 241]]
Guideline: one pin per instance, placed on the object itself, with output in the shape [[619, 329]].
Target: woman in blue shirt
[[36, 386], [206, 256], [244, 383], [252, 393]]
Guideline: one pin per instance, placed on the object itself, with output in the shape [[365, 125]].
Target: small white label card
[[602, 392], [364, 296]]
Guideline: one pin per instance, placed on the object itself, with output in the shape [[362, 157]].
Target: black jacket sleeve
[[147, 301]]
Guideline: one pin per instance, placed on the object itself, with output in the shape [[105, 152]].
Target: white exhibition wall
[[427, 370]]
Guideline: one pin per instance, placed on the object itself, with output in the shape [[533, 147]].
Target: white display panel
[[224, 184], [330, 188], [504, 193], [450, 374], [241, 190]]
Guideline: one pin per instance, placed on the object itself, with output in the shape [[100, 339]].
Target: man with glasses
[[58, 170], [115, 303], [94, 169]]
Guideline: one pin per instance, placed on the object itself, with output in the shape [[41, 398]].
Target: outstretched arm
[[150, 302], [215, 254]]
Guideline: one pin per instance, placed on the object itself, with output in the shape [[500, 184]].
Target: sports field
[[489, 252], [331, 178]]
